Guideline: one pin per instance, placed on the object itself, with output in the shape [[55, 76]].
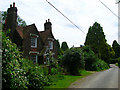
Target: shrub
[[99, 65], [89, 57], [13, 77], [73, 60], [118, 62], [36, 75], [37, 79]]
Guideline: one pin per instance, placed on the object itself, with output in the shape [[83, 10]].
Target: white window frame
[[36, 57], [35, 41], [51, 45]]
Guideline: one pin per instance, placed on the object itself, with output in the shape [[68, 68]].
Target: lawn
[[68, 80]]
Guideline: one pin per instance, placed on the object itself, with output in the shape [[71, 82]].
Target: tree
[[64, 46], [107, 52], [73, 60], [116, 48], [96, 40], [95, 37], [89, 57]]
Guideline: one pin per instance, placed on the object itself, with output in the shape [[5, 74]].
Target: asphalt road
[[104, 79]]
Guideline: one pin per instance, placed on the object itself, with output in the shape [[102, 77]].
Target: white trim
[[51, 39], [33, 52]]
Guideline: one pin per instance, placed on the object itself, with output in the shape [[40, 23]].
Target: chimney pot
[[13, 4], [10, 5], [48, 20]]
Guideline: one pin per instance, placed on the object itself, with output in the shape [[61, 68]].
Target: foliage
[[68, 80], [95, 37], [64, 46], [20, 73], [116, 48], [89, 57], [20, 21], [73, 60], [99, 65], [96, 40], [13, 76], [107, 53], [118, 62]]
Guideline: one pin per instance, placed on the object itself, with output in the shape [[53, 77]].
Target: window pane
[[33, 42], [50, 44]]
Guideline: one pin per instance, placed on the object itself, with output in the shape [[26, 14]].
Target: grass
[[116, 64], [68, 80]]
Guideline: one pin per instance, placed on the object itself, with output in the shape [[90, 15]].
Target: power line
[[65, 17], [110, 9]]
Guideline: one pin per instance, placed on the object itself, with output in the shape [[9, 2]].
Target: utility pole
[[118, 2]]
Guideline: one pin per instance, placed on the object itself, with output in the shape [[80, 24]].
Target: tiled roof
[[45, 34], [20, 31]]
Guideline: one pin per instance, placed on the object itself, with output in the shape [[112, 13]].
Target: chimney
[[10, 5], [47, 25], [13, 4]]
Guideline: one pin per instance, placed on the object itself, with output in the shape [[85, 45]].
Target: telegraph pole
[[118, 2]]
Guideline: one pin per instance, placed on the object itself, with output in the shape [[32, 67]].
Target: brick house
[[32, 43], [50, 44]]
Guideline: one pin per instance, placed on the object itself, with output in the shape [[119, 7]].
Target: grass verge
[[68, 80]]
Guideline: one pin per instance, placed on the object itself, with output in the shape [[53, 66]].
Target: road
[[104, 79]]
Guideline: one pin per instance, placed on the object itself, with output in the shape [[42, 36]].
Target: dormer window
[[34, 42]]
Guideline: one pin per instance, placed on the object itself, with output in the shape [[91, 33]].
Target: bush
[[89, 57], [73, 60], [13, 77], [118, 62], [37, 79], [99, 65], [36, 75]]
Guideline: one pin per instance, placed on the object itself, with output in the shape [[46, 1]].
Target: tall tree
[[116, 48], [95, 37], [96, 40], [64, 46]]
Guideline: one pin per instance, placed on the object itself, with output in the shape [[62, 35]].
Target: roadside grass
[[116, 64], [68, 80]]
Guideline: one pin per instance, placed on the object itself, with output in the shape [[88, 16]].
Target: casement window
[[33, 42], [34, 58], [51, 44]]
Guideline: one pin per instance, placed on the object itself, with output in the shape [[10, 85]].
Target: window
[[34, 58], [51, 44], [33, 42]]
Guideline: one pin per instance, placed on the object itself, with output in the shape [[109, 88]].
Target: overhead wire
[[65, 17], [109, 9]]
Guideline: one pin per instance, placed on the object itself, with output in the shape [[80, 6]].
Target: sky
[[84, 13]]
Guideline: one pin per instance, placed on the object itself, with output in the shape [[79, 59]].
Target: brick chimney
[[48, 25]]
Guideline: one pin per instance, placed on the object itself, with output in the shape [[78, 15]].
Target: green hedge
[[73, 60]]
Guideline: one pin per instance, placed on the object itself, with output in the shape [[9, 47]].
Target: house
[[50, 44], [33, 43]]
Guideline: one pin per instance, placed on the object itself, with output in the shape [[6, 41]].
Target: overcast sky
[[82, 12]]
